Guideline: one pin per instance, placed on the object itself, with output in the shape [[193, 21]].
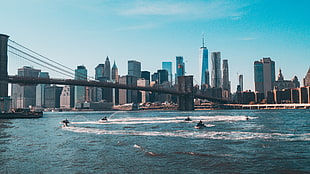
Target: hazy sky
[[76, 32]]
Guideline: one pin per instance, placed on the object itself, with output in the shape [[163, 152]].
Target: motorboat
[[103, 120], [200, 125], [65, 122]]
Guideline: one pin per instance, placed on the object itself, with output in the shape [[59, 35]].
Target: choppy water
[[276, 141]]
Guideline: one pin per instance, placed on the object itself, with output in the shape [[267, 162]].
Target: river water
[[270, 141]]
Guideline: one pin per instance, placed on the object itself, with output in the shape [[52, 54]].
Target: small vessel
[[200, 125], [21, 113], [103, 120], [65, 122], [187, 119]]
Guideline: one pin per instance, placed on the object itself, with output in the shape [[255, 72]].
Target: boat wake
[[232, 135], [145, 151]]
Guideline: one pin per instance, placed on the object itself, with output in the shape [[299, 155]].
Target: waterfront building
[[280, 83], [264, 75], [168, 66], [127, 95], [216, 77], [303, 95], [67, 97], [241, 82], [134, 68], [162, 76], [107, 69], [40, 91], [307, 78], [25, 96], [80, 91], [52, 96], [180, 67], [115, 75], [203, 57], [226, 82], [145, 75]]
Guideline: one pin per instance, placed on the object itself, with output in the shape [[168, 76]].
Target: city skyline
[[155, 32]]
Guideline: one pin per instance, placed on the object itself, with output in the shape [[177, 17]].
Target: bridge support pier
[[3, 65], [186, 101], [5, 101]]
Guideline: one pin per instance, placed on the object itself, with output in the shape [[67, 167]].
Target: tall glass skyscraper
[[168, 66], [40, 90], [180, 67], [216, 76], [134, 68], [203, 56], [264, 75], [80, 91]]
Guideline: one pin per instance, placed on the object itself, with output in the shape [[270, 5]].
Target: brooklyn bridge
[[184, 88]]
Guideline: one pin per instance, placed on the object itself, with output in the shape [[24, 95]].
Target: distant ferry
[[21, 113]]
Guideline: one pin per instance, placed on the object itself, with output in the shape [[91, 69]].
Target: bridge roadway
[[92, 83]]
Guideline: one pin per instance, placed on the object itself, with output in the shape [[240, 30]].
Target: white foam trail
[[153, 120], [233, 135]]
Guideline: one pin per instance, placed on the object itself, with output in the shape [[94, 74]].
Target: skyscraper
[[115, 76], [107, 69], [241, 82], [216, 76], [203, 56], [127, 95], [146, 75], [25, 96], [134, 68], [226, 82], [168, 66], [99, 72], [264, 75], [40, 91], [80, 91], [180, 67], [162, 76]]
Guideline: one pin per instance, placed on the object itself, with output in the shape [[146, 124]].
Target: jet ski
[[200, 125], [65, 122], [187, 119], [103, 120]]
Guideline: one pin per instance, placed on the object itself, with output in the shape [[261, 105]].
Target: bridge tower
[[5, 101], [186, 101], [3, 65]]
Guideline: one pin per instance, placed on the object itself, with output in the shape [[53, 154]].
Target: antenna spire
[[203, 39]]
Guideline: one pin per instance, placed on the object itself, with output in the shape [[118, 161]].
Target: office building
[[134, 68], [180, 67], [281, 84], [146, 75], [25, 96], [99, 72], [52, 96], [40, 91], [144, 94], [115, 75], [203, 57], [226, 82], [80, 91], [127, 95], [162, 76], [307, 78], [67, 97], [168, 66], [107, 70], [264, 75], [216, 75], [240, 79]]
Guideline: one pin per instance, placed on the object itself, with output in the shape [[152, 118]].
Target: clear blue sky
[[76, 32]]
